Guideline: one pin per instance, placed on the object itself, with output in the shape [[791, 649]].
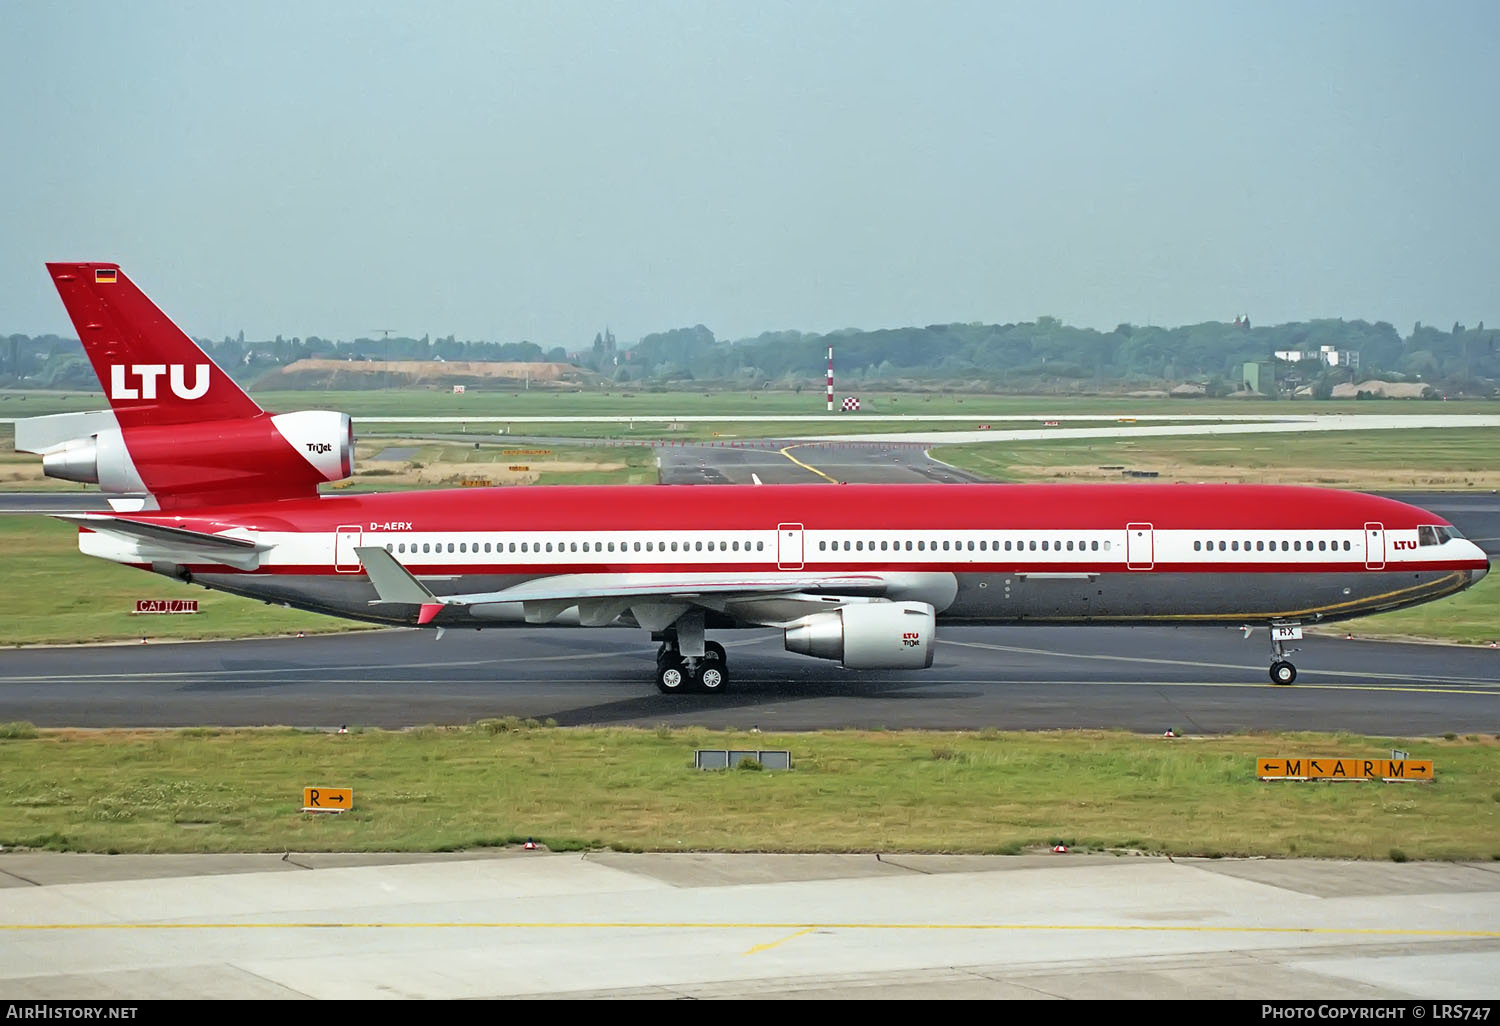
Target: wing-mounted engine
[[246, 459], [868, 636]]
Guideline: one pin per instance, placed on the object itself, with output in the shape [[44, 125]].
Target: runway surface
[[1203, 680]]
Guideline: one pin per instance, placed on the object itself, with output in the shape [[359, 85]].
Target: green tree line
[[1023, 356]]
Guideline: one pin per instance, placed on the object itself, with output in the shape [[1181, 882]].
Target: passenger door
[[1139, 547], [346, 540], [789, 546], [1374, 546]]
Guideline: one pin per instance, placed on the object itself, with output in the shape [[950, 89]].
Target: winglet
[[394, 583]]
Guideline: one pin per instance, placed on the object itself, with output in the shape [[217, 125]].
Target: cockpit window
[[1435, 535]]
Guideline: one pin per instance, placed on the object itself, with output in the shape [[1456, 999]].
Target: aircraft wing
[[655, 600]]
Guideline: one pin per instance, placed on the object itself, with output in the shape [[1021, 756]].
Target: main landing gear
[[676, 673]]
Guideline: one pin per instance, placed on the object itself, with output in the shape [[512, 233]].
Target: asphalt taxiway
[[1202, 680]]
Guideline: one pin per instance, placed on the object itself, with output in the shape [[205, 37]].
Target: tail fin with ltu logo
[[179, 432], [151, 372]]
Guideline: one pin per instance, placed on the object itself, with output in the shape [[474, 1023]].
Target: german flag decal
[[104, 275]]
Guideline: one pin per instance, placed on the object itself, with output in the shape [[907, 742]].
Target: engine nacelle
[[282, 455], [869, 636]]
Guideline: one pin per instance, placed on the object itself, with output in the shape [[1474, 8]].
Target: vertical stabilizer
[[152, 373]]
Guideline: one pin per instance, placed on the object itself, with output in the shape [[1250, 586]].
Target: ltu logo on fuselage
[[121, 388], [319, 447]]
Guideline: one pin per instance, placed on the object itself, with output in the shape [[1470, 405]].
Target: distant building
[[1329, 356], [1333, 356], [1259, 377]]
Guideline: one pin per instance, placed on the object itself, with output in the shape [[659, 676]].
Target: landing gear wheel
[[712, 677], [714, 652], [671, 678], [1283, 672]]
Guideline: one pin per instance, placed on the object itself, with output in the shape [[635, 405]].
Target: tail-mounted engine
[[250, 459], [868, 636]]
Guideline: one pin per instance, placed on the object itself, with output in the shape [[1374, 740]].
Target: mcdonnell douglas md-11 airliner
[[208, 488]]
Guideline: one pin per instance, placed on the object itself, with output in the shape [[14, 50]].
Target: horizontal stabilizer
[[162, 534], [43, 434]]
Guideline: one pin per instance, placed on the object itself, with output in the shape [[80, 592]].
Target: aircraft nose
[[1479, 574]]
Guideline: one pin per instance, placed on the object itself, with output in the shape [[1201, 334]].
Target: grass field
[[397, 463], [662, 405], [501, 782], [1471, 617], [56, 595]]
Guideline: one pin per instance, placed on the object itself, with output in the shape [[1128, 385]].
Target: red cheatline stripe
[[813, 565]]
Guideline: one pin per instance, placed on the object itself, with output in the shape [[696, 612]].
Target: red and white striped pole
[[830, 379]]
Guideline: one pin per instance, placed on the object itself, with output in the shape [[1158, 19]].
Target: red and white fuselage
[[1127, 553]]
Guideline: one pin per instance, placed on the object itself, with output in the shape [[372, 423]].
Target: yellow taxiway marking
[[767, 947], [800, 928], [787, 453]]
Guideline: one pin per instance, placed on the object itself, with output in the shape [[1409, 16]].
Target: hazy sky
[[509, 171]]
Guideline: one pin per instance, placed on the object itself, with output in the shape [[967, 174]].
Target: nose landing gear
[[1282, 670]]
